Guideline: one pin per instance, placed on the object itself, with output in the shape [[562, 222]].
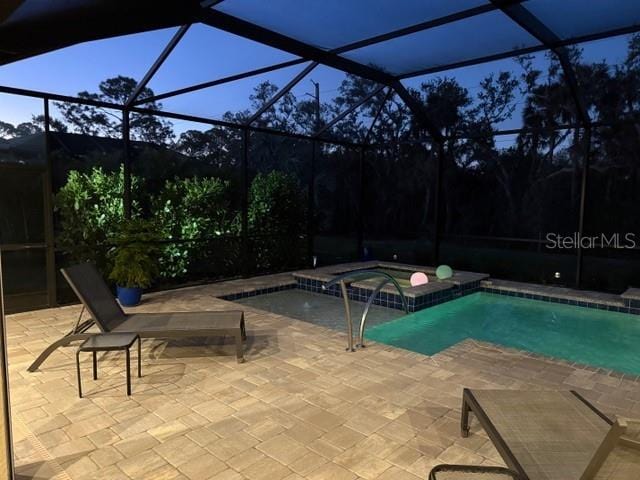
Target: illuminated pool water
[[584, 335]]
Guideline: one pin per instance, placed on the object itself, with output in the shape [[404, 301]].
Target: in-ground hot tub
[[423, 296]]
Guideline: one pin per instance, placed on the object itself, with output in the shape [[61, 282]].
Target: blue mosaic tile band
[[634, 304], [627, 308], [390, 300], [414, 304]]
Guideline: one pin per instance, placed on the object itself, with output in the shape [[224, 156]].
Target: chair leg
[[95, 365], [128, 372], [239, 348], [62, 342], [464, 418], [78, 372]]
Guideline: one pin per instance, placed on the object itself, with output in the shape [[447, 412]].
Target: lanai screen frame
[[312, 57]]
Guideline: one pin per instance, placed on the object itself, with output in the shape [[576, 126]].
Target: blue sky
[[203, 54]]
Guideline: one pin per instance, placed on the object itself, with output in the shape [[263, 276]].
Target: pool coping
[[538, 356], [418, 298], [463, 283], [548, 293], [460, 277], [558, 361]]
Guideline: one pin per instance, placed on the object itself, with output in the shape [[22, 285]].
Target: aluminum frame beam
[[49, 237], [387, 96], [210, 121], [418, 109], [281, 93], [422, 26], [157, 64], [523, 51], [222, 81], [583, 201], [206, 7], [237, 26], [167, 114], [530, 23], [551, 42], [273, 39], [210, 3], [352, 46], [348, 111]]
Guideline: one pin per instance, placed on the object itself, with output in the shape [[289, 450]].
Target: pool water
[[324, 310], [595, 337]]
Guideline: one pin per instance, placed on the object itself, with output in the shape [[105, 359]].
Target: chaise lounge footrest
[[188, 324]]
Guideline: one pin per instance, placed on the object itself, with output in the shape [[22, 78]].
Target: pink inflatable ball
[[419, 278]]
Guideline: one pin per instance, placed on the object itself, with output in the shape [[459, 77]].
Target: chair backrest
[[93, 292], [618, 456]]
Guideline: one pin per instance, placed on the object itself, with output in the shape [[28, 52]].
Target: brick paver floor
[[299, 408]]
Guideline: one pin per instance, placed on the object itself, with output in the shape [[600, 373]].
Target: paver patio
[[300, 407]]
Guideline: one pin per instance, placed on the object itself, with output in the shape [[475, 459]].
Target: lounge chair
[[106, 313], [548, 435]]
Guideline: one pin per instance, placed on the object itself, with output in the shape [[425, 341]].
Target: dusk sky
[[205, 54]]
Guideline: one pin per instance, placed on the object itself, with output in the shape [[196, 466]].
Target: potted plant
[[134, 256]]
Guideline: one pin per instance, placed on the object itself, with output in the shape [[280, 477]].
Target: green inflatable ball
[[443, 272]]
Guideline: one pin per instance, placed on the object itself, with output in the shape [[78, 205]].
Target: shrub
[[193, 217], [90, 206], [191, 211], [277, 217]]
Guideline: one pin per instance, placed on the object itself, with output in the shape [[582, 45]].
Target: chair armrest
[[631, 435]]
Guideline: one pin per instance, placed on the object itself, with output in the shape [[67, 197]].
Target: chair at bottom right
[[617, 458]]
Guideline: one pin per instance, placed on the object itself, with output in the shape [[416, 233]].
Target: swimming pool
[[323, 310], [595, 337]]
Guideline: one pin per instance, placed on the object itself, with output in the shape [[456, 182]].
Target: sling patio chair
[[97, 299], [548, 435]]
